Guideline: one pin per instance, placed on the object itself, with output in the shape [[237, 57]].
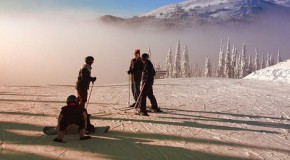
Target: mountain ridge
[[200, 12]]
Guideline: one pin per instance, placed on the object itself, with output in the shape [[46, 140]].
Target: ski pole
[[129, 91], [138, 99], [90, 95]]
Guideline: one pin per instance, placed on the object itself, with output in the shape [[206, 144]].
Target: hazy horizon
[[49, 47]]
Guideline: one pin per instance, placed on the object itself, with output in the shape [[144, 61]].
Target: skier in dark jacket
[[147, 87], [72, 119], [135, 69], [83, 85], [84, 80]]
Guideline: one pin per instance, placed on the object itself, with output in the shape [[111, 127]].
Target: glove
[[129, 72], [94, 79]]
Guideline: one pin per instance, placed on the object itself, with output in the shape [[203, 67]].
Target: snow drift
[[279, 72]]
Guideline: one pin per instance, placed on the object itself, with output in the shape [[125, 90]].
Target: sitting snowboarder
[[72, 119]]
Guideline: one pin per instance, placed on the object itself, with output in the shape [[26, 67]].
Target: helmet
[[71, 98], [137, 51], [89, 59], [145, 56]]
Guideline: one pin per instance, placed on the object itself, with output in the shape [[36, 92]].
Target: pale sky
[[115, 7]]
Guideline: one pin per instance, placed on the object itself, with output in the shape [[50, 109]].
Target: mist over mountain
[[32, 42]]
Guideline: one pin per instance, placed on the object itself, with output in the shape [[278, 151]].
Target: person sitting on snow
[[72, 119]]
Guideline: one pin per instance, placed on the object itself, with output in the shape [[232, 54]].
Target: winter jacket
[[84, 78], [136, 68], [148, 73], [72, 115]]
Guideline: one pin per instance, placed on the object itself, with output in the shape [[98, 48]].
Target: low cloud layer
[[48, 48]]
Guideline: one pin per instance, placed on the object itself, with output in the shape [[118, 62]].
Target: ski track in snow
[[202, 119]]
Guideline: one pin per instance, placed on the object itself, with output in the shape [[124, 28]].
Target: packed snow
[[203, 119], [279, 72]]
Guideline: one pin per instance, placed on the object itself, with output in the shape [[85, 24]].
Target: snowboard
[[51, 130]]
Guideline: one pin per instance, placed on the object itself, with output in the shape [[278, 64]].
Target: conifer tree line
[[232, 62], [178, 66]]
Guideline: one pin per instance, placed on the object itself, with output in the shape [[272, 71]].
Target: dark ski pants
[[82, 100], [82, 97], [64, 122], [135, 86], [148, 92], [63, 125]]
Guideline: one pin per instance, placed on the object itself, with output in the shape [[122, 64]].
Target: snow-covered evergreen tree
[[268, 64], [227, 60], [247, 61], [149, 53], [208, 69], [278, 57], [220, 68], [185, 63], [200, 72], [158, 66], [238, 65], [233, 62], [249, 65], [169, 64], [262, 65], [256, 63], [213, 70], [177, 65], [196, 70], [272, 60], [191, 70], [243, 62]]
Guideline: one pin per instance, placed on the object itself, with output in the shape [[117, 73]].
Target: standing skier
[[72, 119], [135, 69], [147, 88], [83, 85]]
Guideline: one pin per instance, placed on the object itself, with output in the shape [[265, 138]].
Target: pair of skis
[[139, 96]]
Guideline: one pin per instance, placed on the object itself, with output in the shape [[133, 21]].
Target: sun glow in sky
[[45, 41]]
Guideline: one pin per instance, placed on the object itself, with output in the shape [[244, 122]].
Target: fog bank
[[49, 48]]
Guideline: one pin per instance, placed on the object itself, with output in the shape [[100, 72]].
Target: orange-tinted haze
[[49, 47]]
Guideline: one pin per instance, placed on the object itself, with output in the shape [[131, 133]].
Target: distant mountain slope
[[216, 10], [192, 12], [285, 3]]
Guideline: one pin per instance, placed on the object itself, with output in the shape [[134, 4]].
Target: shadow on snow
[[116, 145]]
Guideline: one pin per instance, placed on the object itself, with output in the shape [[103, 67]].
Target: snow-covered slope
[[192, 13], [205, 119], [217, 10], [279, 72], [285, 3]]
